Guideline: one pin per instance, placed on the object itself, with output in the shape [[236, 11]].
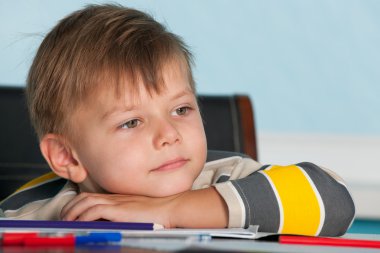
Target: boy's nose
[[166, 134]]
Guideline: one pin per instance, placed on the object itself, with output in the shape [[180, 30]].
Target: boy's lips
[[172, 164]]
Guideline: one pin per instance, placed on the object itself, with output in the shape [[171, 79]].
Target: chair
[[228, 122]]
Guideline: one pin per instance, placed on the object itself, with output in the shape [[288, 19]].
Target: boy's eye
[[131, 124], [182, 110]]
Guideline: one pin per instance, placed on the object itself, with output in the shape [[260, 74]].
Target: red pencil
[[16, 238], [67, 240], [325, 241]]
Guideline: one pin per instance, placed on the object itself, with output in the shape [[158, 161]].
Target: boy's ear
[[61, 158]]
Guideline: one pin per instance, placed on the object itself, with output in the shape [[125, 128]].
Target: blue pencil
[[78, 224]]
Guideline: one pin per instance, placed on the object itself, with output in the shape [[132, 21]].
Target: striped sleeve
[[296, 199], [35, 191]]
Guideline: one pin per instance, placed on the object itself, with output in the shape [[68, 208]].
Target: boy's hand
[[116, 207], [200, 208]]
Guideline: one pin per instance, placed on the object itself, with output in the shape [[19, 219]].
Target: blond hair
[[96, 47]]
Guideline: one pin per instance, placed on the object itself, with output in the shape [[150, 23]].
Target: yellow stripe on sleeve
[[301, 209], [44, 178]]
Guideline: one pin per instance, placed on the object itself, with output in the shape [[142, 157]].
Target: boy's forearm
[[203, 208]]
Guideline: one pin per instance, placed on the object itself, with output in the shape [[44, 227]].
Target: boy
[[112, 98]]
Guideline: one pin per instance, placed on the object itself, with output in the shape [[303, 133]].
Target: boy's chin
[[170, 190]]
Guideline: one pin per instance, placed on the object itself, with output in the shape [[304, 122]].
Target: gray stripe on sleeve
[[339, 206], [260, 202]]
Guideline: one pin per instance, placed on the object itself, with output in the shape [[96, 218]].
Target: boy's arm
[[295, 199], [204, 208]]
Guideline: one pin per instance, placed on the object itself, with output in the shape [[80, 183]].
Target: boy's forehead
[[128, 93]]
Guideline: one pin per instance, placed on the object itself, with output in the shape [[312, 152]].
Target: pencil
[[79, 225], [325, 241]]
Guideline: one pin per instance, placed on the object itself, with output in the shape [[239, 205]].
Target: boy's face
[[152, 145]]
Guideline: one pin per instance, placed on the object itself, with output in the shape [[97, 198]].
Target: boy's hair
[[98, 46]]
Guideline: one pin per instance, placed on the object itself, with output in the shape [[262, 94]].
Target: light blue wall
[[309, 66]]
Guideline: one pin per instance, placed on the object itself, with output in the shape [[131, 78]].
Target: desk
[[215, 245]]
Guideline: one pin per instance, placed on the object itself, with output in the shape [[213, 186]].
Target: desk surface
[[215, 245]]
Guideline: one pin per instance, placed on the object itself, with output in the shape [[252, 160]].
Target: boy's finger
[[97, 212], [80, 198], [75, 208], [70, 205]]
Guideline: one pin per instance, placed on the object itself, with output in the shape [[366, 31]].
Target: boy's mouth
[[172, 164]]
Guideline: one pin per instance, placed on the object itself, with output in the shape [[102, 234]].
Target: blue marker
[[98, 237]]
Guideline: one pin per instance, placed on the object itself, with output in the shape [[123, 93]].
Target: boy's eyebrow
[[182, 94], [132, 107], [115, 109]]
